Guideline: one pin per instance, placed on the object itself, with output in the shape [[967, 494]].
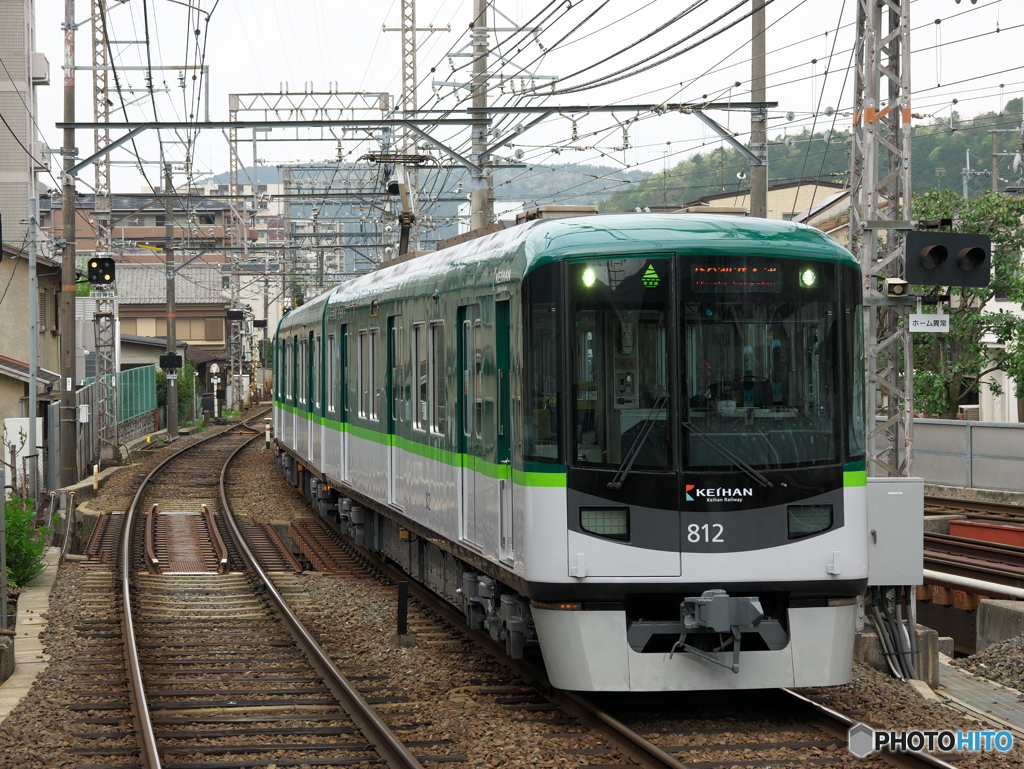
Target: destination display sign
[[714, 278]]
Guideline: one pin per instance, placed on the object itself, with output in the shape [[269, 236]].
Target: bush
[[25, 542]]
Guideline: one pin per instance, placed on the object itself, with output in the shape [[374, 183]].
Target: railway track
[[989, 511], [764, 728], [197, 660], [226, 684], [989, 562]]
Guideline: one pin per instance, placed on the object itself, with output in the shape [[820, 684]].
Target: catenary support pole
[[480, 192], [66, 310], [759, 116], [172, 343]]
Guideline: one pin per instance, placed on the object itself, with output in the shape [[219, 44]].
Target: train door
[[506, 544], [394, 412], [470, 408]]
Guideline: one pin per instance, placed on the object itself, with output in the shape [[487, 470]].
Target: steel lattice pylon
[[879, 218], [237, 362], [410, 104], [105, 330], [101, 114]]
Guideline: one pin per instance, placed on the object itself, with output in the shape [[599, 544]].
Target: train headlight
[[808, 277], [611, 522], [589, 277], [805, 520]]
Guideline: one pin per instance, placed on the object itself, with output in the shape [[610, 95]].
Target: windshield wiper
[[634, 450], [729, 455]]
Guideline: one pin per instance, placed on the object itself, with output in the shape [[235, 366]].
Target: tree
[[186, 388], [982, 339], [26, 542]]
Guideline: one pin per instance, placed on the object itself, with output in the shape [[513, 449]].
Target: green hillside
[[939, 155]]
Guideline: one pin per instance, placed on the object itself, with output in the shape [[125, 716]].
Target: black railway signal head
[[948, 259], [101, 271]]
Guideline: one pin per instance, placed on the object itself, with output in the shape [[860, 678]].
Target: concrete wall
[[998, 621]]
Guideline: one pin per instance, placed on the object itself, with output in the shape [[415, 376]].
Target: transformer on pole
[[880, 216]]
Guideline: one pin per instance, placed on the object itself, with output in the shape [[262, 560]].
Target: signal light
[[170, 362], [236, 315], [948, 259], [101, 271]]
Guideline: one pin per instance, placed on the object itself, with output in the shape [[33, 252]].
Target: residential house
[[785, 200]]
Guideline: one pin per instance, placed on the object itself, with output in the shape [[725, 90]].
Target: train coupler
[[715, 612]]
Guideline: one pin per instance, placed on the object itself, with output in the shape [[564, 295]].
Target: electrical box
[[895, 531], [83, 414]]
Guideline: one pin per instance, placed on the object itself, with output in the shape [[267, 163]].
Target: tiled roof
[[147, 284], [18, 370], [199, 355]]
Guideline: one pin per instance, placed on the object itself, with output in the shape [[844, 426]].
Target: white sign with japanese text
[[929, 324]]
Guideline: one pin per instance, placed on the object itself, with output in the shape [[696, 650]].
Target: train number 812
[[707, 532]]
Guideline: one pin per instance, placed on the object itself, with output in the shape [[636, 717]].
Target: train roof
[[516, 251]]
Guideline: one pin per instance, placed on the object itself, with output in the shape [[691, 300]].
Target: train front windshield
[[704, 363], [762, 356]]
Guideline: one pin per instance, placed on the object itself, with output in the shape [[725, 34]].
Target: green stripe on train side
[[495, 470], [855, 478], [537, 473]]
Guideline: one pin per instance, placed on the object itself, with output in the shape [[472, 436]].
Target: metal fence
[[136, 392], [136, 395], [984, 455]]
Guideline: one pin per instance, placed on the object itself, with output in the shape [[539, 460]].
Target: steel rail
[[1010, 511], [839, 725], [149, 755], [395, 754]]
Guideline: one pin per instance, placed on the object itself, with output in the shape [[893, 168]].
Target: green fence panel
[[136, 392]]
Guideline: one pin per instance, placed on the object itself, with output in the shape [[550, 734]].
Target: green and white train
[[637, 440]]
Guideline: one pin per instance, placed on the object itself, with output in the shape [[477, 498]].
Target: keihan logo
[[717, 494]]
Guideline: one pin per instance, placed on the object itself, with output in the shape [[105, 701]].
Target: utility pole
[[172, 342], [480, 185], [996, 154], [66, 311], [880, 214], [33, 348], [759, 116]]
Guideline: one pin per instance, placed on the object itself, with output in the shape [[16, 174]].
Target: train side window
[[332, 374], [396, 371], [303, 363], [363, 375], [543, 382], [438, 415], [469, 381], [375, 373], [478, 368], [291, 371], [317, 384], [419, 362], [344, 374]]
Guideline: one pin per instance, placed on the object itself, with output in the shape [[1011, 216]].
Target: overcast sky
[[255, 46]]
